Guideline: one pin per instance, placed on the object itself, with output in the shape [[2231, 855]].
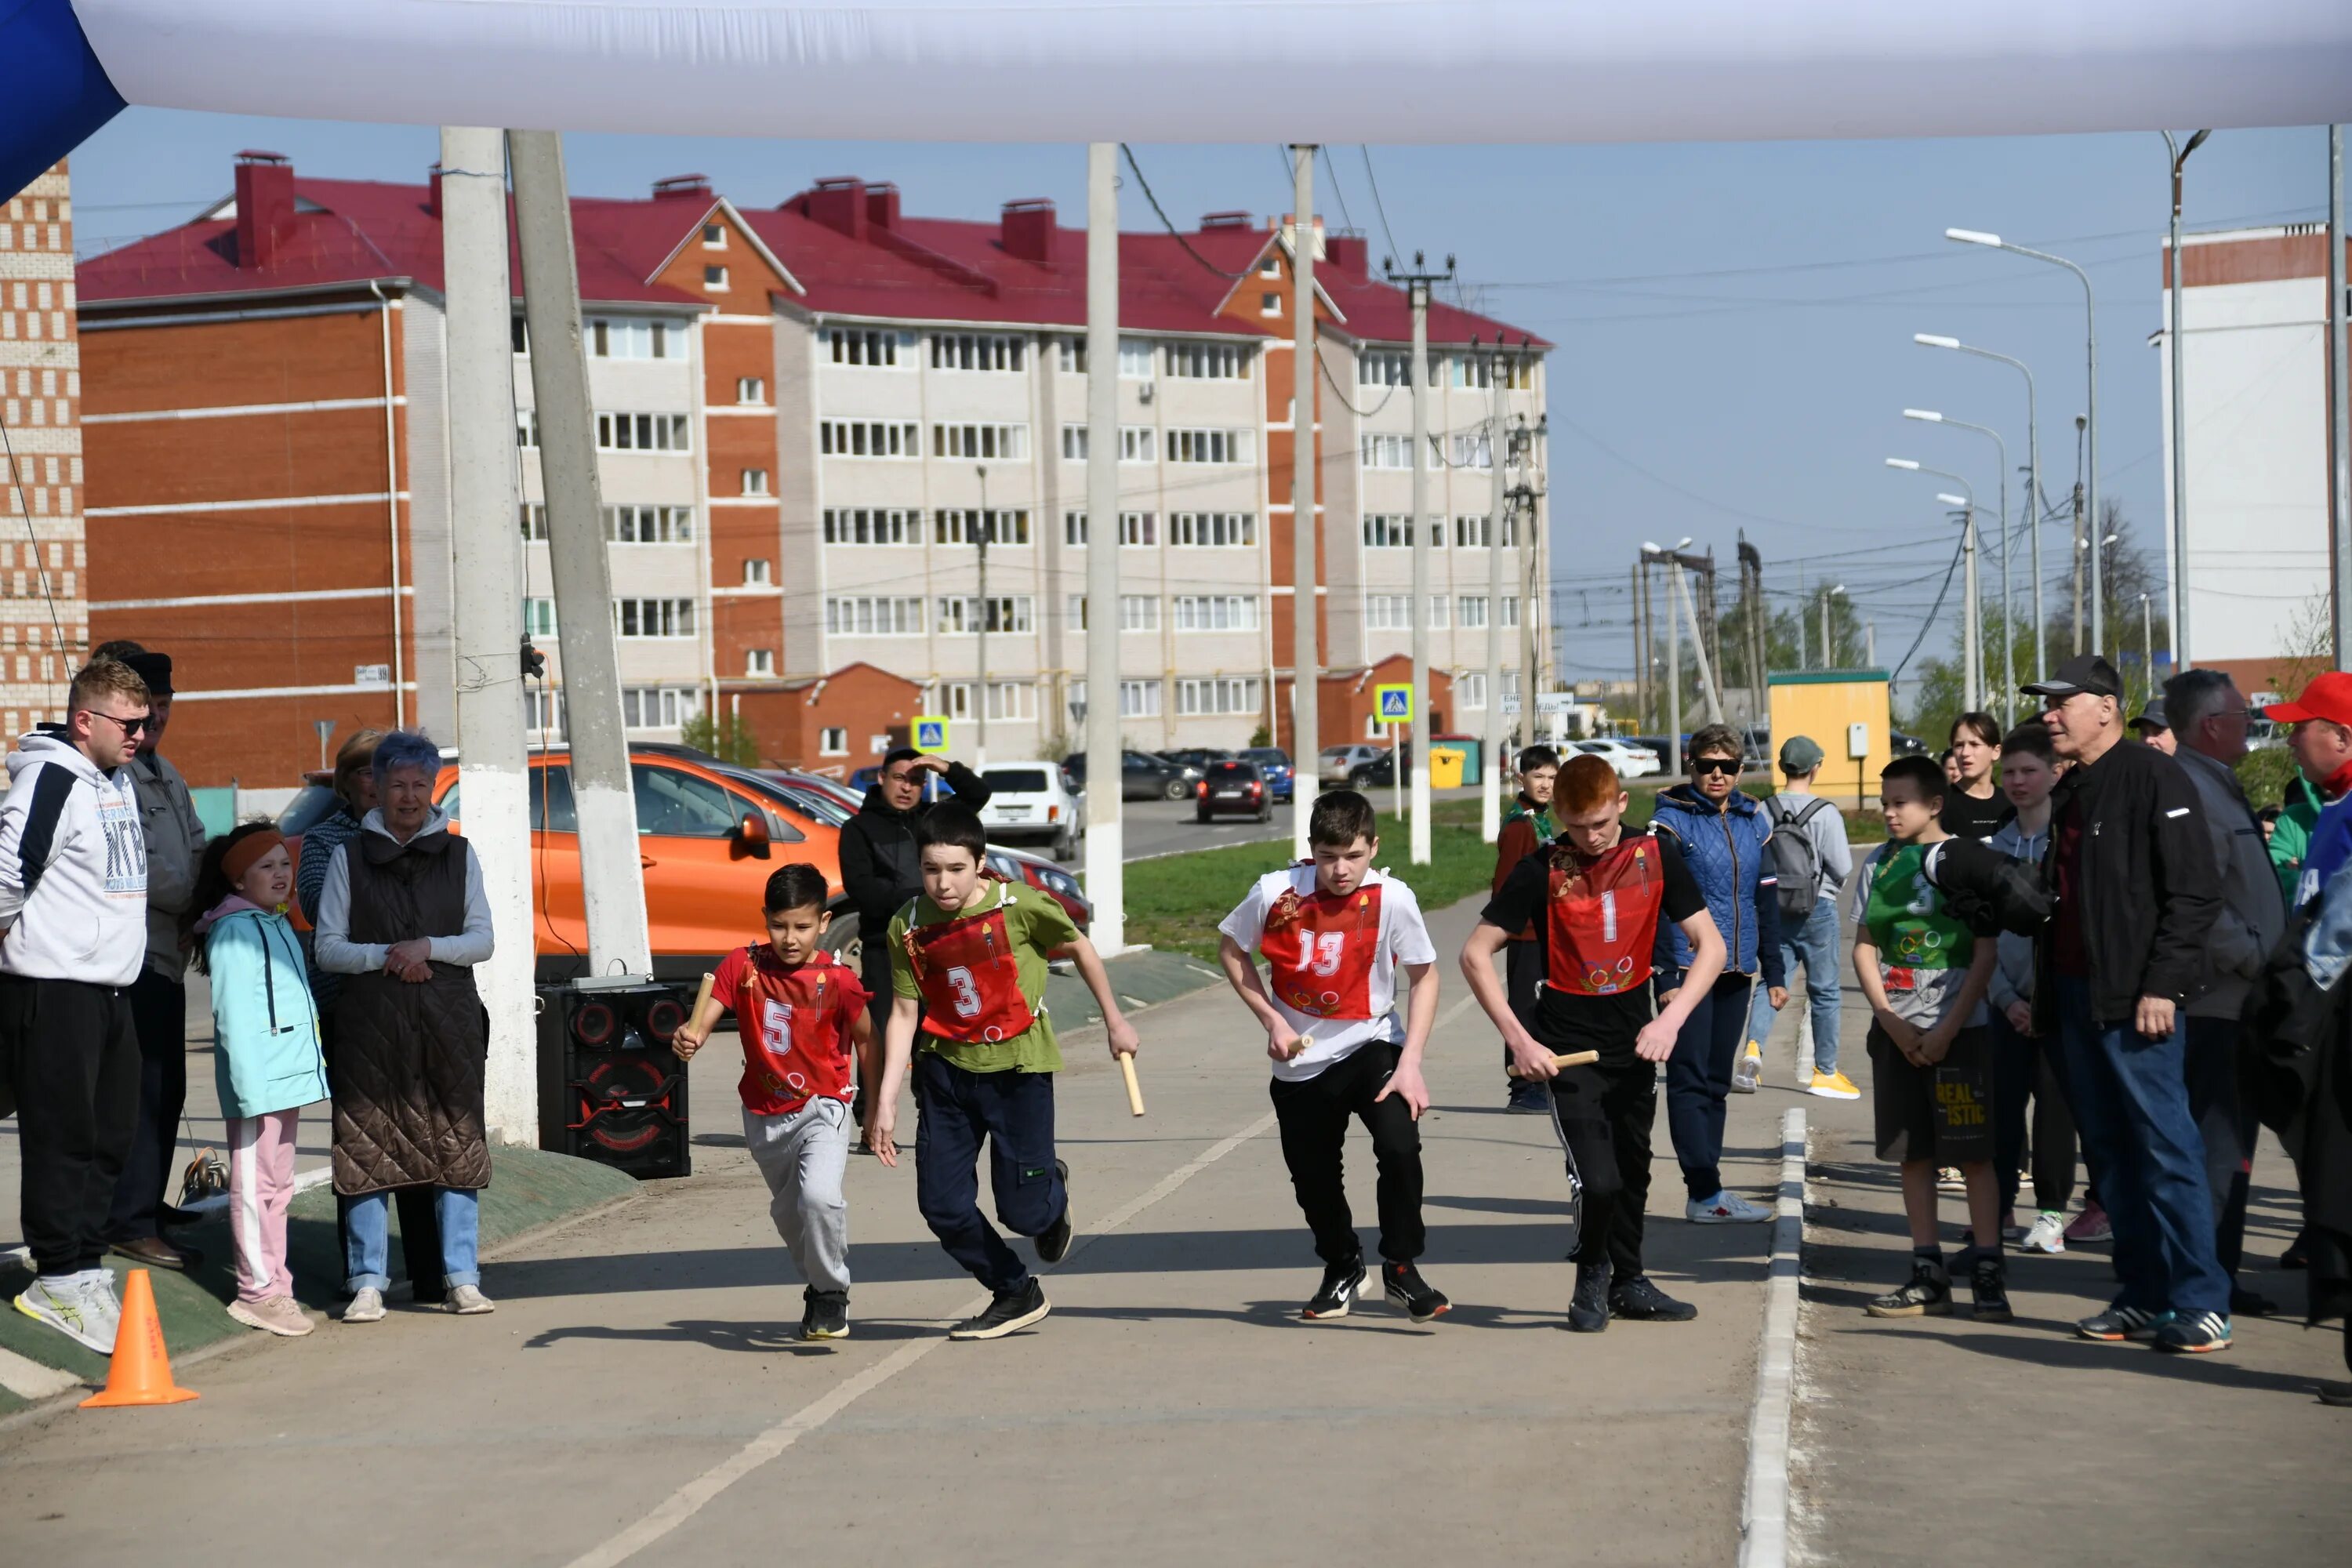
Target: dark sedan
[[1143, 776], [1232, 789]]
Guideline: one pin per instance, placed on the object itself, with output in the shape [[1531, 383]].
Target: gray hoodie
[[175, 842], [87, 918], [2012, 975]]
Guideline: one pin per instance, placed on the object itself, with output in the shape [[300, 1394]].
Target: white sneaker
[[104, 1306], [1748, 1070], [2048, 1234], [366, 1307], [277, 1315], [1724, 1208], [467, 1301], [64, 1305]]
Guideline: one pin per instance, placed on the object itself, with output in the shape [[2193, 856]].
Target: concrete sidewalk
[[639, 1390]]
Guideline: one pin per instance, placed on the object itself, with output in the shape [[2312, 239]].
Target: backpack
[[1797, 860]]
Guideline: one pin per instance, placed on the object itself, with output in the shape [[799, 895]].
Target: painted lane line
[[29, 1380], [1764, 1501]]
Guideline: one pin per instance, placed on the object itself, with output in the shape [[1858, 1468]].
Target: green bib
[[1923, 952]]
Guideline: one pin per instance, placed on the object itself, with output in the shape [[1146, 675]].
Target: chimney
[[433, 194], [882, 205], [1029, 230], [264, 207], [1348, 253], [678, 185], [1224, 220], [839, 204]]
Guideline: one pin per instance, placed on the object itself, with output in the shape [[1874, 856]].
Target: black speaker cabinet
[[609, 1088]]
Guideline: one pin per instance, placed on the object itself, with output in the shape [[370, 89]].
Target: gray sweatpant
[[803, 1156]]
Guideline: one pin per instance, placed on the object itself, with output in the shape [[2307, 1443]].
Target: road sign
[[1555, 701], [1392, 704], [930, 732]]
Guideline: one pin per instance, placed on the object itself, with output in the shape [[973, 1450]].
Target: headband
[[248, 852]]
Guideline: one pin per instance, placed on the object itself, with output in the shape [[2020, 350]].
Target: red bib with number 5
[[970, 985], [1603, 917], [795, 1028], [1321, 948]]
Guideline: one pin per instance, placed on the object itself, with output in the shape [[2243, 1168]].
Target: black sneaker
[[1530, 1096], [1988, 1291], [1011, 1309], [1588, 1310], [826, 1316], [1405, 1287], [1644, 1303], [2246, 1303], [2195, 1334], [1055, 1244], [1336, 1295], [1928, 1295]]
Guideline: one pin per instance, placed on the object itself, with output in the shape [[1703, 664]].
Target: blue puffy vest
[[1725, 851]]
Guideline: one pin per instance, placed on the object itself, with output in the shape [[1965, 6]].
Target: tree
[[730, 739]]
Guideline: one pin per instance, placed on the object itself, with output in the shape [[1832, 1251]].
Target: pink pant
[[260, 1186]]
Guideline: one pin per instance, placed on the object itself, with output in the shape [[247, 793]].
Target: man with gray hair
[[2209, 714]]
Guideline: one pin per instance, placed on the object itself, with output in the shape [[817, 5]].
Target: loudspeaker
[[609, 1088]]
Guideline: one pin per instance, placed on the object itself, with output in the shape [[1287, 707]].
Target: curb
[[1764, 1499]]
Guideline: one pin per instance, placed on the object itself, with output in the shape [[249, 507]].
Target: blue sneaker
[[2199, 1333], [2123, 1323]]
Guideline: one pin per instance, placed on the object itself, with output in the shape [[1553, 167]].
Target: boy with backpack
[[1809, 844]]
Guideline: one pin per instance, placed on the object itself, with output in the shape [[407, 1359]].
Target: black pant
[[874, 974], [1698, 1080], [2210, 1065], [2024, 1067], [74, 1068], [1604, 1113], [1013, 1112], [1522, 968], [420, 1223], [1313, 1116], [159, 1015]]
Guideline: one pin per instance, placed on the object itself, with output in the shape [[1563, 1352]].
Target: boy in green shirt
[[1925, 976], [968, 1010]]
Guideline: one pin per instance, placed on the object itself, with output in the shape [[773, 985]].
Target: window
[[642, 433], [755, 571], [1474, 532], [1139, 444], [1473, 611], [1272, 266], [962, 526], [1211, 446], [1383, 367], [975, 351], [649, 524], [1000, 443], [1222, 694], [714, 278], [870, 346], [550, 788], [1072, 355], [1517, 373], [1208, 362], [526, 428], [522, 334], [750, 390], [1074, 528], [635, 337], [874, 615], [538, 617], [1006, 700], [1073, 442], [1388, 612], [1138, 612], [1470, 370], [759, 661], [1388, 452], [534, 520], [1216, 612], [1510, 689], [873, 525], [714, 236], [1269, 303], [673, 803], [1471, 687], [1510, 609], [1470, 449], [1138, 699], [1135, 357], [755, 482], [832, 741], [653, 619], [658, 707], [1006, 612], [1388, 530], [869, 438], [1212, 529], [1135, 528]]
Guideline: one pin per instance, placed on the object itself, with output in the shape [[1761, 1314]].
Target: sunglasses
[[130, 726], [1713, 765]]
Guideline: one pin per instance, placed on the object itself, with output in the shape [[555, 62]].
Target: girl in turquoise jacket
[[266, 1058]]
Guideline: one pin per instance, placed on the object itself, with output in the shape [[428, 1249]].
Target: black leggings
[[1604, 1114], [2024, 1067]]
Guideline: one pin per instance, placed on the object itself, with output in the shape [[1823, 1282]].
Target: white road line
[[689, 1500], [29, 1379], [1764, 1503]]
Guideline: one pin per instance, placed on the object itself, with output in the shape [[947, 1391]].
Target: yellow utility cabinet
[[1849, 714], [1445, 766]]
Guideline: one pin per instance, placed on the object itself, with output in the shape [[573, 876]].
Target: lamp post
[[1971, 674], [1828, 658], [2032, 489], [2179, 156], [2091, 355], [2147, 644], [2007, 614]]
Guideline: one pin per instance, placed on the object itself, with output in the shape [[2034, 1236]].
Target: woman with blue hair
[[403, 917]]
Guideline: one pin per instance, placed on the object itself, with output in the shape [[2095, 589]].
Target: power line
[[1170, 224], [1933, 611], [1378, 205]]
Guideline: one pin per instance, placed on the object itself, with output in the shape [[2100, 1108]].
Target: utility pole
[[2147, 643], [1525, 496], [1972, 634], [1644, 669], [988, 527], [613, 879], [1416, 283], [2080, 536], [1751, 595], [1490, 808], [1106, 828], [2339, 391], [1870, 645], [492, 763], [1306, 661], [2175, 348], [1829, 659], [1674, 673], [1713, 693]]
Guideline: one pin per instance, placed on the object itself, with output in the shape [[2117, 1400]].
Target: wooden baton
[[702, 996], [1134, 1089], [1569, 1059]]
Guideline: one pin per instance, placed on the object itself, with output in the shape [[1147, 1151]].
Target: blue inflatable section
[[52, 91]]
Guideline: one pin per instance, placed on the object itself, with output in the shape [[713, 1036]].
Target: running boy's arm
[[1937, 1041], [898, 1049], [1486, 940], [1656, 1043], [1123, 1037], [1420, 1015], [1282, 1041], [696, 1030]]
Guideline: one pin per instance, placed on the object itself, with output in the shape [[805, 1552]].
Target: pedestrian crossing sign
[[1393, 704], [930, 732]]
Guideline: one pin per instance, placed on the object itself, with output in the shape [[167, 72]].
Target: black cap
[[2152, 717], [2084, 672], [154, 669]]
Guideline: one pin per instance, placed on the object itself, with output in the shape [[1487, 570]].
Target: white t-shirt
[[1403, 939]]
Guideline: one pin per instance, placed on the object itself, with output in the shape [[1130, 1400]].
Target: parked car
[[1338, 764], [1232, 788], [1903, 745], [1033, 802], [1627, 760], [1274, 763], [826, 805], [1382, 769], [1143, 776], [1198, 756]]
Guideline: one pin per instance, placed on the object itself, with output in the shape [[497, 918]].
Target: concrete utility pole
[[1707, 686], [1870, 645], [1972, 637], [2174, 350], [987, 527], [1526, 495], [1105, 829], [492, 768], [1677, 602], [1306, 661], [1417, 284], [2007, 614], [2340, 392], [613, 879], [1490, 807], [2082, 533]]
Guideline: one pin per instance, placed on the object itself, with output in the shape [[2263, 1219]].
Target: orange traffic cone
[[141, 1372]]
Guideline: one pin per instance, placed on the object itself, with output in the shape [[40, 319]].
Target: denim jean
[[367, 1254], [1698, 1077], [2130, 1098], [2228, 1129], [1815, 945]]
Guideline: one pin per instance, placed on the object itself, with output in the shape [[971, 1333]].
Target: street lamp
[[2091, 457], [2008, 613], [986, 528], [2179, 156], [2032, 489], [1829, 660]]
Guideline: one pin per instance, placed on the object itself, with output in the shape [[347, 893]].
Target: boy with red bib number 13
[[1332, 933], [1595, 898], [968, 1010]]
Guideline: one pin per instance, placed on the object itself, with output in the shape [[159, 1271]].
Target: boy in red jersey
[[1594, 899], [1333, 934], [798, 1012]]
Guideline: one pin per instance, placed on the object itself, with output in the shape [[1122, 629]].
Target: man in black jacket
[[2123, 955], [880, 868]]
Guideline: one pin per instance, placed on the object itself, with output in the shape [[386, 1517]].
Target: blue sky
[[1734, 321]]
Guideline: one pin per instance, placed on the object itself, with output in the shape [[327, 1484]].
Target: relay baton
[[1569, 1059]]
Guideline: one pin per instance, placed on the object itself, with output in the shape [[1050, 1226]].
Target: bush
[[2264, 773]]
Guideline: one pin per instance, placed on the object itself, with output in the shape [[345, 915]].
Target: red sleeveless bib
[[1601, 921], [794, 1046], [1321, 948], [970, 983]]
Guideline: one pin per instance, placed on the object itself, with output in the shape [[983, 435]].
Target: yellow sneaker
[[1833, 1086]]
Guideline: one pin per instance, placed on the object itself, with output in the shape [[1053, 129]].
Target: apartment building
[[44, 624]]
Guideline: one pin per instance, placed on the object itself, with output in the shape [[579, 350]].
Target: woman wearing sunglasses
[[1722, 835]]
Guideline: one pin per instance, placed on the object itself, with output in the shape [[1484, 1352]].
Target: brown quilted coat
[[409, 1057]]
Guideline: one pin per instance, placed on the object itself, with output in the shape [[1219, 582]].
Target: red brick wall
[[859, 698]]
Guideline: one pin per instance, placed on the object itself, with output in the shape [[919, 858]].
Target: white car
[[1035, 802], [1628, 761]]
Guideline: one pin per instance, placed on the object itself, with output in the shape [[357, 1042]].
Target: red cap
[[2328, 697]]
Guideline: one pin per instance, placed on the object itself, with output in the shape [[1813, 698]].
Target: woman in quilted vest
[[403, 917]]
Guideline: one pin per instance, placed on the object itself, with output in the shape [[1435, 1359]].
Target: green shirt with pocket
[[1036, 925]]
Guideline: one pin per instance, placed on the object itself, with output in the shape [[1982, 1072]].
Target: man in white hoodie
[[73, 937]]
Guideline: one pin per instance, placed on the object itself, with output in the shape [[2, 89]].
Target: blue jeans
[[1815, 945], [367, 1248], [2130, 1098], [1698, 1077], [1013, 1111]]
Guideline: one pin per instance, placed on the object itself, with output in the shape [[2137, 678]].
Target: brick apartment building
[[808, 418], [44, 625]]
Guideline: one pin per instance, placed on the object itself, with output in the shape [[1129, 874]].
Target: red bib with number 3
[[1602, 918], [970, 985], [1320, 949]]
